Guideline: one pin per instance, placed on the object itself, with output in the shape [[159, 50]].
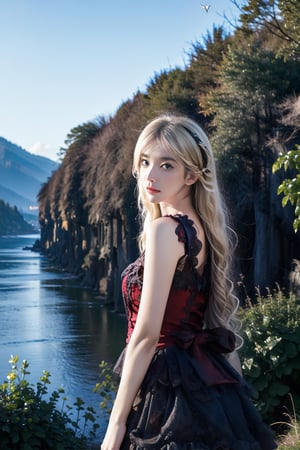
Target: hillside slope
[[22, 174], [12, 222]]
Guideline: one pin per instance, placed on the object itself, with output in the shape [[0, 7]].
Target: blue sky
[[64, 62]]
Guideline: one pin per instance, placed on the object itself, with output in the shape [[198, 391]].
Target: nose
[[151, 175]]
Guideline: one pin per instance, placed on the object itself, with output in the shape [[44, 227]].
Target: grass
[[291, 439]]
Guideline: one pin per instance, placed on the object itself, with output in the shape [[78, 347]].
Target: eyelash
[[165, 166], [143, 162]]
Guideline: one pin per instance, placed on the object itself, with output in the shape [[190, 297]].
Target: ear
[[190, 179]]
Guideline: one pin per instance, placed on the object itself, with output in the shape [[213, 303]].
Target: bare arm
[[162, 254]]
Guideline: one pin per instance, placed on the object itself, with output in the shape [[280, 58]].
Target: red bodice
[[184, 315], [184, 310]]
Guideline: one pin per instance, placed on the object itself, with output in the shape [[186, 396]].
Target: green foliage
[[83, 134], [291, 24], [270, 355], [279, 18], [290, 188], [107, 387], [171, 91], [252, 82], [206, 58], [29, 422]]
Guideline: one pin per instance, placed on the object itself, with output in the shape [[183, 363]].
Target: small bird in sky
[[206, 7]]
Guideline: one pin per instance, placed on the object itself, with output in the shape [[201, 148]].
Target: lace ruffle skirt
[[175, 409]]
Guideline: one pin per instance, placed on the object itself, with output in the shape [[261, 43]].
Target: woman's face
[[162, 178]]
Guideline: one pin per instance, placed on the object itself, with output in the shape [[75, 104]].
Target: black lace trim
[[136, 271], [134, 277], [187, 233]]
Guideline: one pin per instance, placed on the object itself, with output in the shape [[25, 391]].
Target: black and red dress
[[191, 398]]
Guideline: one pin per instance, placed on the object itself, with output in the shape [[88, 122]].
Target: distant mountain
[[21, 176], [12, 222]]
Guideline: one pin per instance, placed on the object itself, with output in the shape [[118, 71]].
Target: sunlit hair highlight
[[181, 137]]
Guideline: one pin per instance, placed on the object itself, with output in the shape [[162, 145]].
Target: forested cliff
[[244, 90]]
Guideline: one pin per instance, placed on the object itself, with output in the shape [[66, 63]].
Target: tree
[[290, 187], [279, 17], [205, 61], [171, 91], [83, 134], [285, 139], [11, 221], [253, 81]]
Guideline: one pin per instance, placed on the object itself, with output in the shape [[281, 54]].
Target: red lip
[[152, 190]]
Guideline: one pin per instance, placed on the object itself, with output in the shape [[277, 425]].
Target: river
[[47, 318]]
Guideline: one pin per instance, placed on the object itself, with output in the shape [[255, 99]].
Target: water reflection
[[47, 318]]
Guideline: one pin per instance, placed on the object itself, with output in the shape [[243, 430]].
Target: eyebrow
[[162, 158]]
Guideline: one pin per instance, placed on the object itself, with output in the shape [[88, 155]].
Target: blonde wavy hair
[[189, 145]]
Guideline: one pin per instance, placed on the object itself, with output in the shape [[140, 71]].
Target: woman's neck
[[171, 210]]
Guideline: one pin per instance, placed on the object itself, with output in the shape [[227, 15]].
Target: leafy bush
[[29, 422], [270, 355], [107, 387], [290, 188]]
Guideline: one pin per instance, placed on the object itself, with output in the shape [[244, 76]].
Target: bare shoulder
[[161, 234], [162, 227], [163, 250]]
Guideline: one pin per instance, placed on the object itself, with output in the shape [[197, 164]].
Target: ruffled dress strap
[[187, 234]]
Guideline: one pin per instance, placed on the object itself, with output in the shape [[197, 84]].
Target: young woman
[[181, 386]]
